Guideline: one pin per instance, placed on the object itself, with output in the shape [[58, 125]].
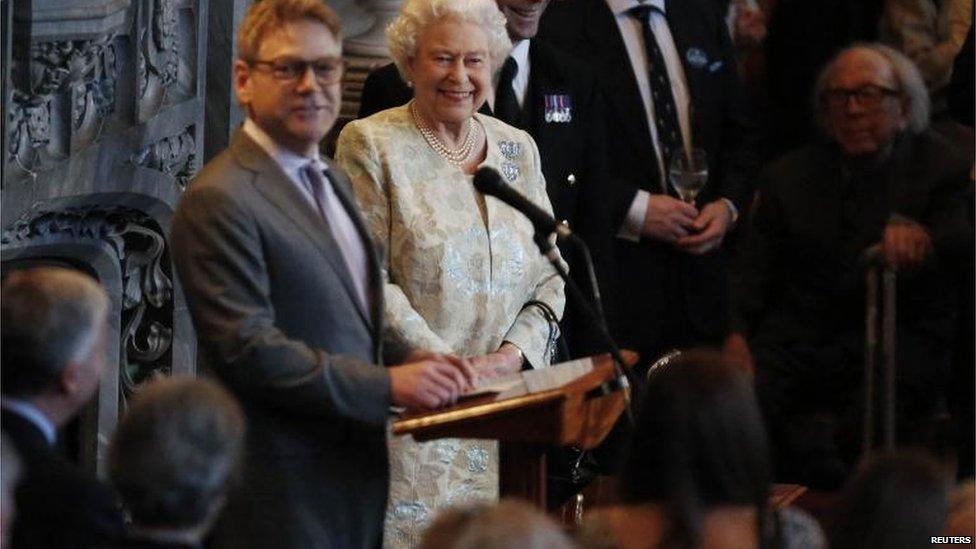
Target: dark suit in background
[[665, 297], [57, 505], [279, 323], [573, 157]]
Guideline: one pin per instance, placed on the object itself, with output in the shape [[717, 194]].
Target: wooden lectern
[[527, 420]]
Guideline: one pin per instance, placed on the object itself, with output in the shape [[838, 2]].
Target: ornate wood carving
[[175, 155], [72, 90], [147, 300]]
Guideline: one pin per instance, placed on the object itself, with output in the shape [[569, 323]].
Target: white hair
[[416, 15], [911, 85], [51, 316]]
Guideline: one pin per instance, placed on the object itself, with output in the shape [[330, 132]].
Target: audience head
[[522, 17], [288, 70], [9, 476], [175, 452], [447, 50], [699, 442], [510, 523], [895, 500], [54, 338], [866, 96], [962, 511]]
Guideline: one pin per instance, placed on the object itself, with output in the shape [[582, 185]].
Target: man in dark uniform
[[670, 76]]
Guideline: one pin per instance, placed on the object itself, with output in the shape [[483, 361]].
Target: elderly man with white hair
[[879, 178], [54, 336]]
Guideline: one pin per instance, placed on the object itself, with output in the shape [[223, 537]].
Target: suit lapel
[[280, 191], [539, 86], [622, 91]]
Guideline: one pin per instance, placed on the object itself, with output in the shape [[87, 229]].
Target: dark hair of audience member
[[175, 452], [699, 443], [506, 525], [896, 500]]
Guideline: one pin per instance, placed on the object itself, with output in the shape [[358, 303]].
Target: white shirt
[[32, 414], [520, 83], [633, 36], [343, 229]]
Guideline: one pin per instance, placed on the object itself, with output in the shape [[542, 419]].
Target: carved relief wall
[[103, 129]]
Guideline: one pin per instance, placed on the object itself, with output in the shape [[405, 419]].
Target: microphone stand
[[622, 380]]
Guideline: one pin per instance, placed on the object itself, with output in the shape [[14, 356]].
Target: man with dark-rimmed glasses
[[284, 286], [879, 177]]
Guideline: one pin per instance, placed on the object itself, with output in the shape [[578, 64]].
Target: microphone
[[489, 182]]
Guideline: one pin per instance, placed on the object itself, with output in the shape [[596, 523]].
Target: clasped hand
[[683, 225], [506, 360]]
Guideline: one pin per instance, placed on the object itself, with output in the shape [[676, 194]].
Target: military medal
[[558, 108]]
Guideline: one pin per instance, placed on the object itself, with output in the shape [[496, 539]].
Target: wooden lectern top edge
[[487, 406], [477, 408]]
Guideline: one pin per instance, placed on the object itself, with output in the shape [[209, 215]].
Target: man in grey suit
[[284, 287]]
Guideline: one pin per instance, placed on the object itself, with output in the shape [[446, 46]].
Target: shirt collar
[[520, 53], [620, 7], [32, 414], [289, 161]]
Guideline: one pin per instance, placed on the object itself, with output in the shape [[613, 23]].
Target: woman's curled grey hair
[[416, 15], [910, 83]]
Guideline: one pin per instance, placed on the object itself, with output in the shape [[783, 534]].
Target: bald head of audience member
[[174, 456], [54, 338], [866, 96], [509, 524]]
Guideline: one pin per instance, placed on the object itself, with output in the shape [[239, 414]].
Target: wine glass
[[688, 173]]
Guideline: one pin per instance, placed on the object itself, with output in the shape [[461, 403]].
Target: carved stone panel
[[103, 132]]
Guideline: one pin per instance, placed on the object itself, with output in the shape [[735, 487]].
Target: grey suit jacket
[[278, 322]]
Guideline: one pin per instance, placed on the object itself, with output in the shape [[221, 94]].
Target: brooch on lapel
[[510, 171], [559, 108], [510, 150], [696, 58]]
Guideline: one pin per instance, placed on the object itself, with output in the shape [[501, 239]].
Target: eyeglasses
[[867, 96], [326, 71]]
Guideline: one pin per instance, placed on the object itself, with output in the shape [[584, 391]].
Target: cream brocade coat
[[459, 270]]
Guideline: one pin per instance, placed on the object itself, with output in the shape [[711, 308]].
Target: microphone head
[[487, 180]]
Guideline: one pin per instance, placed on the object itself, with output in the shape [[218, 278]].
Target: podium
[[569, 404]]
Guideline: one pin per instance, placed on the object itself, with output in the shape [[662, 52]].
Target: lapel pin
[[571, 179], [696, 58]]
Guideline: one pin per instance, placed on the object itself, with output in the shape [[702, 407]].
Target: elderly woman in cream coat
[[463, 275]]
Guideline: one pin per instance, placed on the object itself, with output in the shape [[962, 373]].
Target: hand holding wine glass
[[688, 172]]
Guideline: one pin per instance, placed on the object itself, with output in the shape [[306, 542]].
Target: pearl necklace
[[458, 156]]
